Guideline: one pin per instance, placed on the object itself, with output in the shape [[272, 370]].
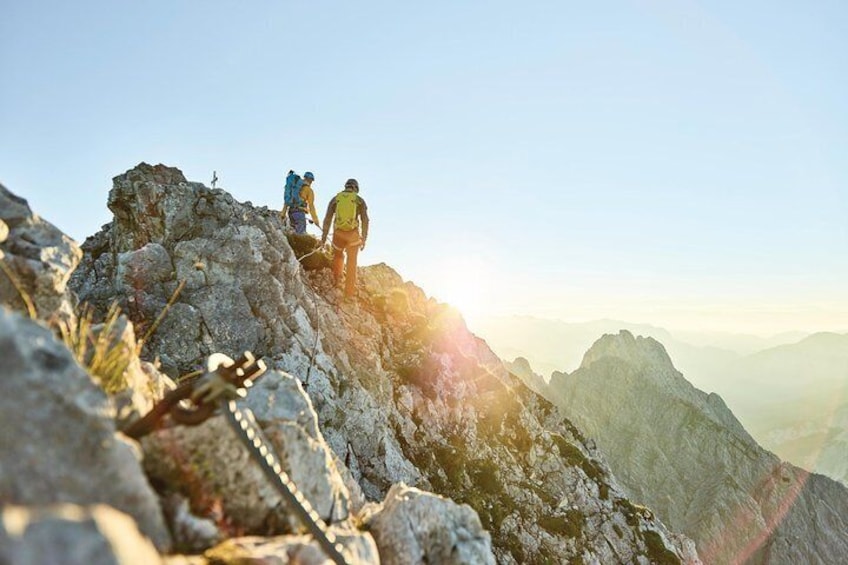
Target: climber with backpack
[[351, 214], [299, 198]]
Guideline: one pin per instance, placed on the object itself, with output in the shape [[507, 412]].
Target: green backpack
[[346, 218]]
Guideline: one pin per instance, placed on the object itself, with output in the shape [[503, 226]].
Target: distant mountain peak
[[637, 351], [682, 452], [521, 363]]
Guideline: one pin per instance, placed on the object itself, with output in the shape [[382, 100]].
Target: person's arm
[[362, 210], [328, 217], [310, 202]]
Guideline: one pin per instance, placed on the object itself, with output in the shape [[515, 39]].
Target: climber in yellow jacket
[[299, 200], [351, 215]]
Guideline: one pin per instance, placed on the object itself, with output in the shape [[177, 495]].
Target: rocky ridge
[[683, 453], [361, 400]]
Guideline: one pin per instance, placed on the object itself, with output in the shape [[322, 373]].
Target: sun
[[466, 286]]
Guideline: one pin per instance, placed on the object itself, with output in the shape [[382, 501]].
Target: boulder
[[57, 436], [210, 466], [38, 261], [72, 535], [413, 526]]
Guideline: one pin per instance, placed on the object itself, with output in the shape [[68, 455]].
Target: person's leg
[[338, 258], [298, 220], [350, 272], [301, 222]]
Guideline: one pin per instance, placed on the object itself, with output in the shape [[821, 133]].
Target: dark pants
[[297, 217], [346, 242]]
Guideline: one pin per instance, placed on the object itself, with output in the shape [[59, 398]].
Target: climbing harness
[[196, 400]]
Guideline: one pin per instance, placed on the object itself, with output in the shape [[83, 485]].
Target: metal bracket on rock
[[224, 381], [194, 401]]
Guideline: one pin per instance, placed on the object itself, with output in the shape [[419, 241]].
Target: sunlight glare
[[466, 285]]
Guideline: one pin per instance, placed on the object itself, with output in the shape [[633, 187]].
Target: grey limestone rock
[[57, 436], [238, 273], [192, 534], [214, 470], [72, 535], [413, 527], [39, 257]]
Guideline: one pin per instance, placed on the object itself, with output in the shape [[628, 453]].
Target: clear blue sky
[[677, 163]]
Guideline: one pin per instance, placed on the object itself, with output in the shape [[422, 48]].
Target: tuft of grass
[[25, 297], [101, 352], [160, 317]]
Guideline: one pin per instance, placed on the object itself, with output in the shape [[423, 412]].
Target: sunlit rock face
[[409, 528], [403, 392], [38, 260], [683, 453]]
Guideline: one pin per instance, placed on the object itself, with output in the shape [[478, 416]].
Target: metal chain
[[244, 424]]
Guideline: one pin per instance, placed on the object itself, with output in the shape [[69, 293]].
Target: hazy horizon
[[679, 165], [790, 333], [557, 345]]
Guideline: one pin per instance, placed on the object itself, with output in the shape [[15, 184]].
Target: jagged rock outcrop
[[683, 453], [403, 392], [409, 528], [73, 535], [520, 367], [57, 434], [37, 261]]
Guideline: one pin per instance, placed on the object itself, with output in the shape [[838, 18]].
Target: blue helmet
[[308, 175]]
